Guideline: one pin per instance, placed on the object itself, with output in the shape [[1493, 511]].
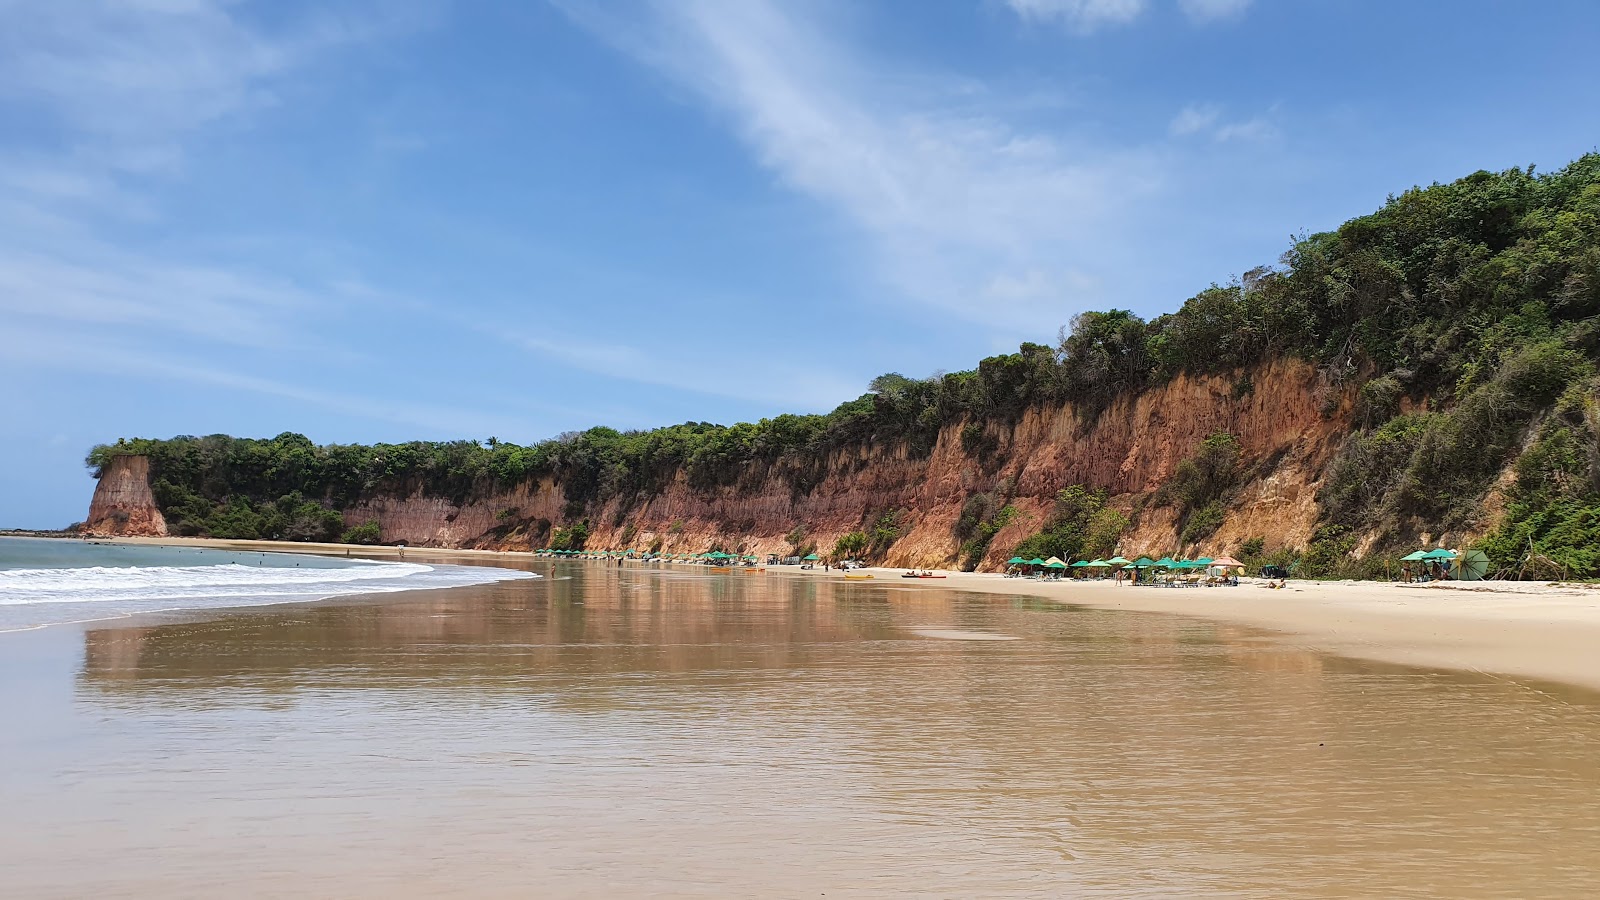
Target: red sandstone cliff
[[1288, 427], [123, 504], [1129, 451]]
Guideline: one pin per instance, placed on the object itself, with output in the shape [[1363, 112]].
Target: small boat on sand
[[921, 575], [850, 577]]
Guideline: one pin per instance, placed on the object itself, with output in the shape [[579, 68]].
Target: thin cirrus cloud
[[1081, 16], [1202, 11], [1205, 120], [957, 204], [118, 93], [1088, 16], [119, 89]]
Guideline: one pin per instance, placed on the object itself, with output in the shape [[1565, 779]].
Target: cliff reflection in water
[[724, 716]]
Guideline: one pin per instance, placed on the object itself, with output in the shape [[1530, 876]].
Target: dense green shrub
[[1080, 526], [849, 544], [365, 533], [1201, 523], [982, 517], [570, 537]]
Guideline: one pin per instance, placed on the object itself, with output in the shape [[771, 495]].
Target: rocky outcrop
[[1287, 421], [123, 504]]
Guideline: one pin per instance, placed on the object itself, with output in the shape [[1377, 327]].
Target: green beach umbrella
[[1204, 561], [1143, 562], [1474, 565], [1440, 553], [1119, 561], [1080, 564], [1056, 565], [1036, 561], [1414, 556], [1099, 564], [1166, 562], [812, 557], [1013, 561]]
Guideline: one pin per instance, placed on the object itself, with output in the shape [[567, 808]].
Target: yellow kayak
[[849, 577]]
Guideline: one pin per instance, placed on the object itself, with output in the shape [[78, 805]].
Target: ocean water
[[52, 581]]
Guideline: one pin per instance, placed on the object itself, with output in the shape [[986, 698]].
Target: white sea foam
[[35, 597]]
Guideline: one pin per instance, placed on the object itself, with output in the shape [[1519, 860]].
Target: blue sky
[[376, 221]]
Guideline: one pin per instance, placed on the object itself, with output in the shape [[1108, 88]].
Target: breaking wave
[[31, 598]]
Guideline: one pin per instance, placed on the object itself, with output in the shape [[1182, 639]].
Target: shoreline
[[1533, 630]]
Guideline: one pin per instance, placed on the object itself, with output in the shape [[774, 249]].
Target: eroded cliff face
[[1285, 437], [1288, 425], [122, 503]]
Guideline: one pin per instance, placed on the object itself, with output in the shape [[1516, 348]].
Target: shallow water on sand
[[629, 733]]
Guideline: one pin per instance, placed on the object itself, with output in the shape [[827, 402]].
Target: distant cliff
[[1425, 374]]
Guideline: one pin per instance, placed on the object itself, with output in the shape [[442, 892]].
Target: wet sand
[[1520, 629], [629, 732]]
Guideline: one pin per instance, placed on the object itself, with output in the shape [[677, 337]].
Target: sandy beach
[[1520, 629]]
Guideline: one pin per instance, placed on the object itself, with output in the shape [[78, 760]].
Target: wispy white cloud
[[680, 365], [958, 206], [1194, 118], [127, 82], [1205, 119], [1082, 16], [113, 93], [1256, 129], [1085, 17], [1203, 11], [42, 348]]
